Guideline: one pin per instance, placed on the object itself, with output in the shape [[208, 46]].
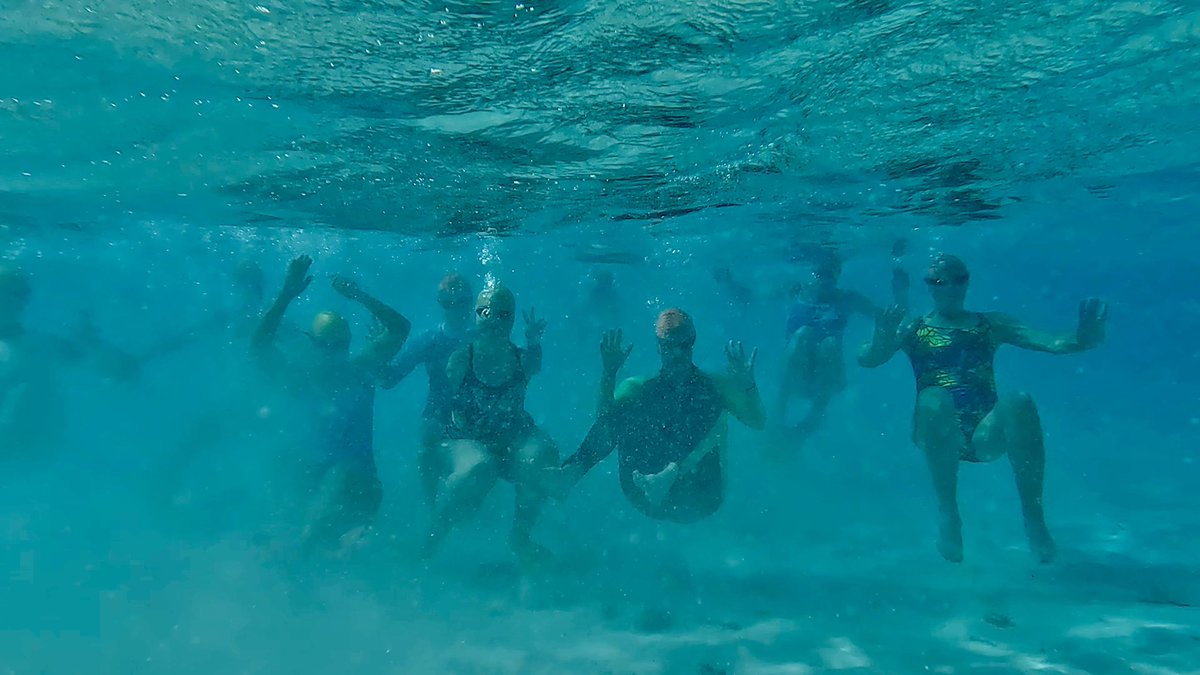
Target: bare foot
[[950, 543], [656, 486], [1040, 541]]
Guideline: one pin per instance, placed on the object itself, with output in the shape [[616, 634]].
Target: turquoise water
[[148, 148]]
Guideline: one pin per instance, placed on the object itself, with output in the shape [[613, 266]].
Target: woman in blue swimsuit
[[814, 365]]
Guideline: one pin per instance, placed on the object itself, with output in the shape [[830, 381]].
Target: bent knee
[[1020, 404], [539, 450], [802, 338], [472, 457]]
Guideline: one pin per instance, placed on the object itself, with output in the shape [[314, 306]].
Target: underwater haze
[[162, 164]]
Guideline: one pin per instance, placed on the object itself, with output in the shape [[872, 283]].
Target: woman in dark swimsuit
[[959, 417], [490, 435]]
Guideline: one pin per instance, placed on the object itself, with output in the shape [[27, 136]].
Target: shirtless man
[[31, 409], [669, 430]]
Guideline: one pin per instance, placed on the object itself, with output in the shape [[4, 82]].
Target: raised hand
[[611, 353], [740, 369], [1093, 314], [297, 278], [534, 327], [889, 321], [347, 287]]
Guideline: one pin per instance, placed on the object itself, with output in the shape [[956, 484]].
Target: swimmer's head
[[454, 292], [495, 309], [947, 279], [330, 332], [248, 278], [827, 271], [676, 335], [14, 290]]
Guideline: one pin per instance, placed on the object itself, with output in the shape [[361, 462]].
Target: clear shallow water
[[1052, 146]]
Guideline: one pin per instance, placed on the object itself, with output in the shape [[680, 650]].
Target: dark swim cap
[[248, 273], [674, 325], [453, 291]]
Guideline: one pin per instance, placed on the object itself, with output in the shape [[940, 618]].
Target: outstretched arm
[[396, 328], [1089, 333], [600, 442], [88, 348], [886, 340], [294, 283], [740, 292], [416, 353], [183, 338], [738, 388]]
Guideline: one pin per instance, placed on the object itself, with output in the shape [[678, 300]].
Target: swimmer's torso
[[666, 421], [957, 359], [827, 317], [493, 414]]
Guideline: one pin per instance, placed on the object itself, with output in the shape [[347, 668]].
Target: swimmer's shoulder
[[630, 389]]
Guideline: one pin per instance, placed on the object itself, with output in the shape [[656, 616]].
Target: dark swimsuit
[[493, 415], [959, 360], [664, 423]]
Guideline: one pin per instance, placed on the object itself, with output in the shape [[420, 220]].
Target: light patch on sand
[[842, 654], [1118, 627]]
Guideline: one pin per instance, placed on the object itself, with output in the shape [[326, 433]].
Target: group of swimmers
[[669, 429]]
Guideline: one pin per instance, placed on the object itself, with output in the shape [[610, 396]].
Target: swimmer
[[221, 428], [959, 416], [31, 408], [670, 430], [237, 322], [814, 362], [338, 390], [432, 350], [490, 435], [600, 303]]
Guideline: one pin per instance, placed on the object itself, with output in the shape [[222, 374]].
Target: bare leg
[[530, 461], [472, 477], [431, 461], [797, 370], [828, 377], [345, 502], [937, 434], [1027, 453]]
